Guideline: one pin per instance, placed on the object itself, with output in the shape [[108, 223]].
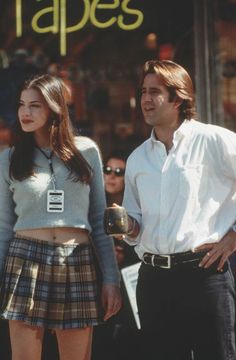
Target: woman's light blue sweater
[[23, 204]]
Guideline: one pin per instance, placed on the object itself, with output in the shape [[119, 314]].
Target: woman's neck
[[42, 140]]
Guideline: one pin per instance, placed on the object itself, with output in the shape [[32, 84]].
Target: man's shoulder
[[139, 150], [211, 130]]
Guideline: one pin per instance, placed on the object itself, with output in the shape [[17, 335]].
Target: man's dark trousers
[[187, 309]]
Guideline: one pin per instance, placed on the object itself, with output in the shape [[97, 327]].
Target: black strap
[[49, 158]]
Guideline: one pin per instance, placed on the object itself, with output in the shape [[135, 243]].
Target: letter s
[[127, 10]]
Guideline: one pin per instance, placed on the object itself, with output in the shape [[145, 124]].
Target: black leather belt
[[172, 260]]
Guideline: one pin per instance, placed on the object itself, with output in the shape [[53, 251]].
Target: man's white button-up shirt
[[187, 197]]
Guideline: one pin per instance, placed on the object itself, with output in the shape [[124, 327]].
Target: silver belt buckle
[[168, 266], [152, 259], [145, 262]]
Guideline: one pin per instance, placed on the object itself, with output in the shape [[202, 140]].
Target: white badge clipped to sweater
[[55, 201]]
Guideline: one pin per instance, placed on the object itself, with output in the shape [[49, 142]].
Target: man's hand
[[132, 224], [221, 250]]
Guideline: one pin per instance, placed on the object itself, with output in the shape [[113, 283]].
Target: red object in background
[[166, 52], [5, 136]]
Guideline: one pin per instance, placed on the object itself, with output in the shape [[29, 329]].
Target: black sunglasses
[[117, 171]]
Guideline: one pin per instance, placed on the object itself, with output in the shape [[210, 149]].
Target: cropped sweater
[[23, 204]]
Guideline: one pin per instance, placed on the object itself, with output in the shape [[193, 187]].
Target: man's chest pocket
[[193, 181]]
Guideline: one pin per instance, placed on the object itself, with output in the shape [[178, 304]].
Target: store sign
[[128, 19]]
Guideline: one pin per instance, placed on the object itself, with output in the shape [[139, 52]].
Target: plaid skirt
[[50, 285]]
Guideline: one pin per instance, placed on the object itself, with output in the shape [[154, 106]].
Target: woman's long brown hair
[[62, 142]]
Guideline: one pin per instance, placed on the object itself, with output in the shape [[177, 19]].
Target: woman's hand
[[111, 300]]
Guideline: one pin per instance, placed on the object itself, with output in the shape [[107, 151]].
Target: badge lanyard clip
[[55, 198]]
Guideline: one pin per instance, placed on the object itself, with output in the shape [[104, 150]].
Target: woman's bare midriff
[[58, 235]]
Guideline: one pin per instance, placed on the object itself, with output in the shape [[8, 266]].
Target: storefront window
[[98, 48], [215, 61], [225, 28]]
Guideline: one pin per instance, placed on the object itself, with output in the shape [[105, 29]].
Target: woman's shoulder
[[84, 143], [5, 156], [5, 163]]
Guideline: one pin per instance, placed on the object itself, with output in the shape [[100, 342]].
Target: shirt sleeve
[[225, 148], [7, 214], [103, 244]]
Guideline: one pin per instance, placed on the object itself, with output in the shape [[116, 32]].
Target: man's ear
[[177, 102]]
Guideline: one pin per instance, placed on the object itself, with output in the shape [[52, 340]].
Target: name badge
[[55, 200]]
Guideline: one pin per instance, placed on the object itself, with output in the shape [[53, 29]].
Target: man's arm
[[225, 152]]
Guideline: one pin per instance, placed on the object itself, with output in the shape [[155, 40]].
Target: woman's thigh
[[75, 344], [26, 340]]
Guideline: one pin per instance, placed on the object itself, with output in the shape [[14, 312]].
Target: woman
[[51, 214], [114, 171]]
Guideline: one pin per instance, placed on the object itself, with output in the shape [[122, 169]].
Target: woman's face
[[33, 111], [114, 184]]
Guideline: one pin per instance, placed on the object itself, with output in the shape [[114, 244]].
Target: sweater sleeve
[[103, 244], [131, 199], [7, 214]]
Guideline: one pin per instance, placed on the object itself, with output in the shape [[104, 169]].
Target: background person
[[51, 216], [114, 172], [118, 338], [180, 195]]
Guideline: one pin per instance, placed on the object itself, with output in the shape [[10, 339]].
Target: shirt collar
[[183, 130]]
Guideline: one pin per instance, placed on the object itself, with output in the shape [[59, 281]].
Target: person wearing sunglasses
[[114, 171], [117, 338]]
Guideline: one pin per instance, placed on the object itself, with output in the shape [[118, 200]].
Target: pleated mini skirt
[[50, 285]]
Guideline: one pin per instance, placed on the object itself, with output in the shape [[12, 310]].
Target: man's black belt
[[173, 260]]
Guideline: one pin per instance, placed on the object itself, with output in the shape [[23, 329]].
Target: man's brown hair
[[178, 83]]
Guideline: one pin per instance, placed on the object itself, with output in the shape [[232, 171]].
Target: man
[[180, 194]]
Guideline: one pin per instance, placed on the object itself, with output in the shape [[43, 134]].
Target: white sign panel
[[130, 277]]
